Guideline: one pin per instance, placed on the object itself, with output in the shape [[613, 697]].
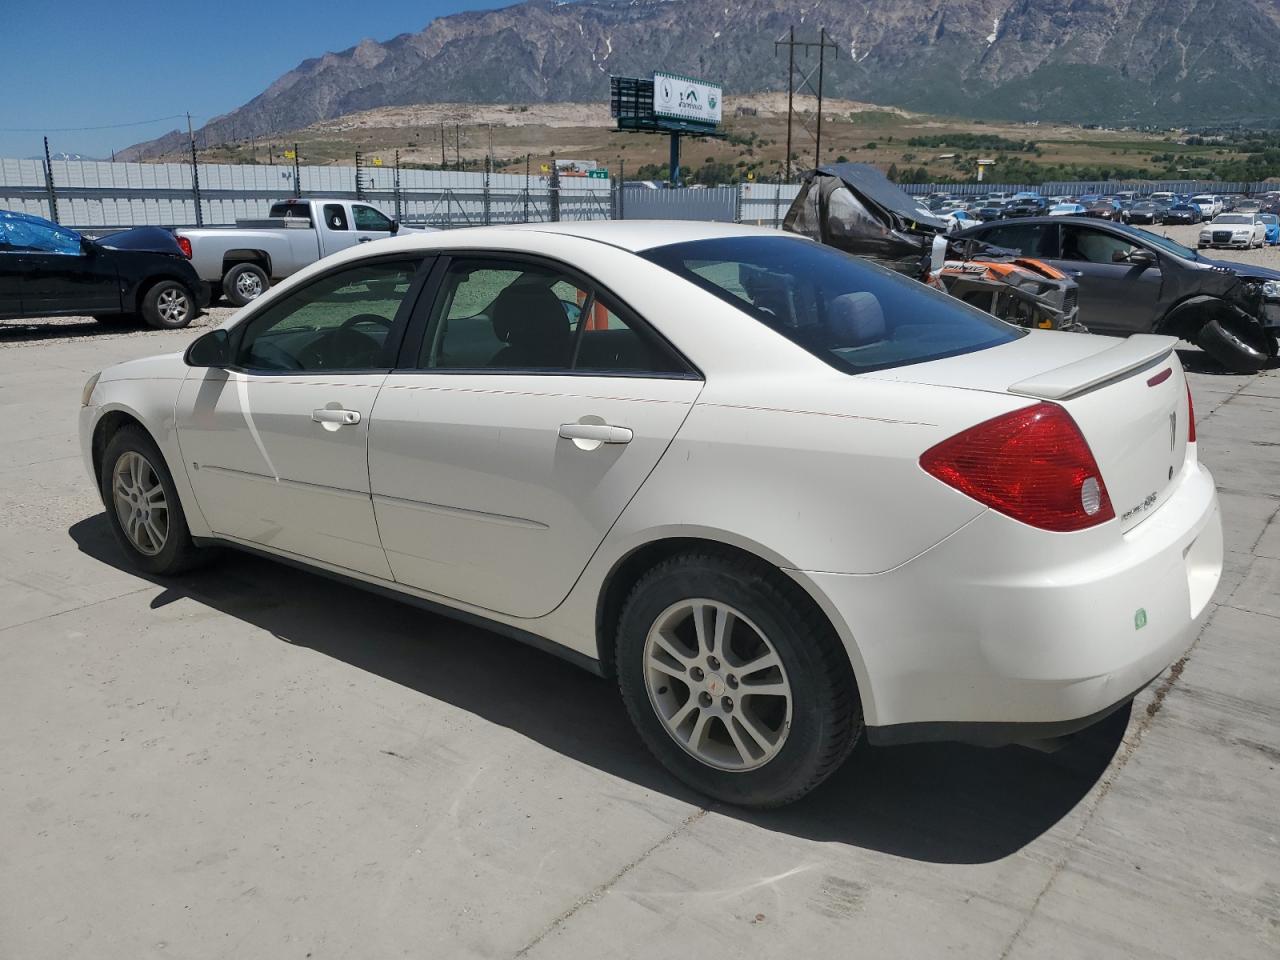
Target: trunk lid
[[1128, 397]]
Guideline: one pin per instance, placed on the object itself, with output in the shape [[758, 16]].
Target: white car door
[[528, 415], [275, 444]]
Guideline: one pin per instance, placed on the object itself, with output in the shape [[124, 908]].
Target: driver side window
[[1093, 246], [339, 322]]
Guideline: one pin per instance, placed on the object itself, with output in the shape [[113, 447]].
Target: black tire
[[239, 282], [826, 714], [168, 305], [178, 553], [1231, 349]]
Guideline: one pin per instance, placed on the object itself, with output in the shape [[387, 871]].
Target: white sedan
[[782, 495], [1243, 230]]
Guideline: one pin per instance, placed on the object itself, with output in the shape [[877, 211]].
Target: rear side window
[[853, 314], [335, 217], [1029, 239]]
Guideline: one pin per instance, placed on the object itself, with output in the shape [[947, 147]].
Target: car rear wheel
[[734, 679], [168, 305], [244, 283], [142, 505], [1230, 349]]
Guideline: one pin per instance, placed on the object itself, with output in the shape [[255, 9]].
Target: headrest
[[529, 314], [856, 319]]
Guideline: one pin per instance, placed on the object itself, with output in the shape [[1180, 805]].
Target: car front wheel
[[734, 679], [142, 505]]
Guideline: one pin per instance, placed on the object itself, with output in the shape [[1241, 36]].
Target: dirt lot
[[254, 762]]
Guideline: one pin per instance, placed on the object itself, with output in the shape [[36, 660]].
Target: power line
[[105, 126]]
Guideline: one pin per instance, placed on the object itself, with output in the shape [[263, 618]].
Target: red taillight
[[1032, 464], [1191, 417], [185, 246]]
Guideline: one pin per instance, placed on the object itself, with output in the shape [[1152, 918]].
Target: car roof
[[632, 235]]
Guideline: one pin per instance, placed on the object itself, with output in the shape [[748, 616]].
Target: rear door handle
[[340, 417], [363, 239], [599, 432]]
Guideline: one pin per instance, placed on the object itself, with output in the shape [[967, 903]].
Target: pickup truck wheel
[[1230, 349], [168, 305], [244, 283]]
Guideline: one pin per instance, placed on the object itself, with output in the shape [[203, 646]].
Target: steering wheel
[[345, 345]]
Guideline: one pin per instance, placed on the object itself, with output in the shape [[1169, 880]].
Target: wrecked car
[[1135, 281], [856, 208]]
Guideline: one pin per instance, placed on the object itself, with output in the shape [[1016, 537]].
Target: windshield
[[849, 312], [1233, 219], [1164, 243], [1268, 218]]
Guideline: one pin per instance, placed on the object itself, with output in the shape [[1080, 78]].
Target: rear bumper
[[1003, 634]]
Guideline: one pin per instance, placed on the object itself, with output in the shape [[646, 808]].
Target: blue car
[[1273, 228]]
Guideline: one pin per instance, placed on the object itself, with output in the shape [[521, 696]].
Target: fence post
[[297, 174], [737, 203], [48, 183], [777, 203], [555, 192], [195, 174], [396, 183], [487, 165], [526, 188], [359, 171]]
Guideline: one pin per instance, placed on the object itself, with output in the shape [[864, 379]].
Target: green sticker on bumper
[[1140, 619]]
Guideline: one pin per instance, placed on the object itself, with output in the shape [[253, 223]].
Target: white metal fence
[[97, 194]]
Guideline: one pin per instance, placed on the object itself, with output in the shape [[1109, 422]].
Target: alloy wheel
[[717, 684], [173, 306], [141, 506]]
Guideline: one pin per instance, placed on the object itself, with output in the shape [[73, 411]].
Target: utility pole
[[457, 146], [444, 163], [526, 188], [805, 86], [195, 173]]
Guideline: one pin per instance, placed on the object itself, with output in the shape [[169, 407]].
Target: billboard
[[686, 99]]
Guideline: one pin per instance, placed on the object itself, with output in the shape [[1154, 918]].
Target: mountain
[[1168, 62]]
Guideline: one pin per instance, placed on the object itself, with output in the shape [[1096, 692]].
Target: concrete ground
[[252, 761]]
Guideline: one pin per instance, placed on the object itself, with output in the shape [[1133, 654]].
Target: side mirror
[[1135, 258], [213, 349], [395, 227], [88, 247]]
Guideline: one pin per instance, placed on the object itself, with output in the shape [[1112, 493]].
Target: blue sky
[[83, 63]]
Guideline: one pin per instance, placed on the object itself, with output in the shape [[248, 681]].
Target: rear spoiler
[[1139, 352]]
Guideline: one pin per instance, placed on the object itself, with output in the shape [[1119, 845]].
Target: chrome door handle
[[339, 417], [364, 239], [599, 432]]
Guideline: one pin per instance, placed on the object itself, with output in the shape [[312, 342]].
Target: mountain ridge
[[1168, 62]]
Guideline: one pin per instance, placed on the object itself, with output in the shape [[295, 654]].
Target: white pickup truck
[[241, 262]]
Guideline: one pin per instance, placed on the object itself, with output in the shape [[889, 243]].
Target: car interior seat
[[531, 320]]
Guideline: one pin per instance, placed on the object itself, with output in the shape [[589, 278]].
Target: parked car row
[[1158, 207]]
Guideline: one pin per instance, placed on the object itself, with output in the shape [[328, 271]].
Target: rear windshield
[[302, 210], [849, 312]]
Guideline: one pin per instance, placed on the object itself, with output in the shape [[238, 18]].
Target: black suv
[[1133, 281], [47, 270]]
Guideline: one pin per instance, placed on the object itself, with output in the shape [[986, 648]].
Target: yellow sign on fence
[[290, 155], [377, 161]]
